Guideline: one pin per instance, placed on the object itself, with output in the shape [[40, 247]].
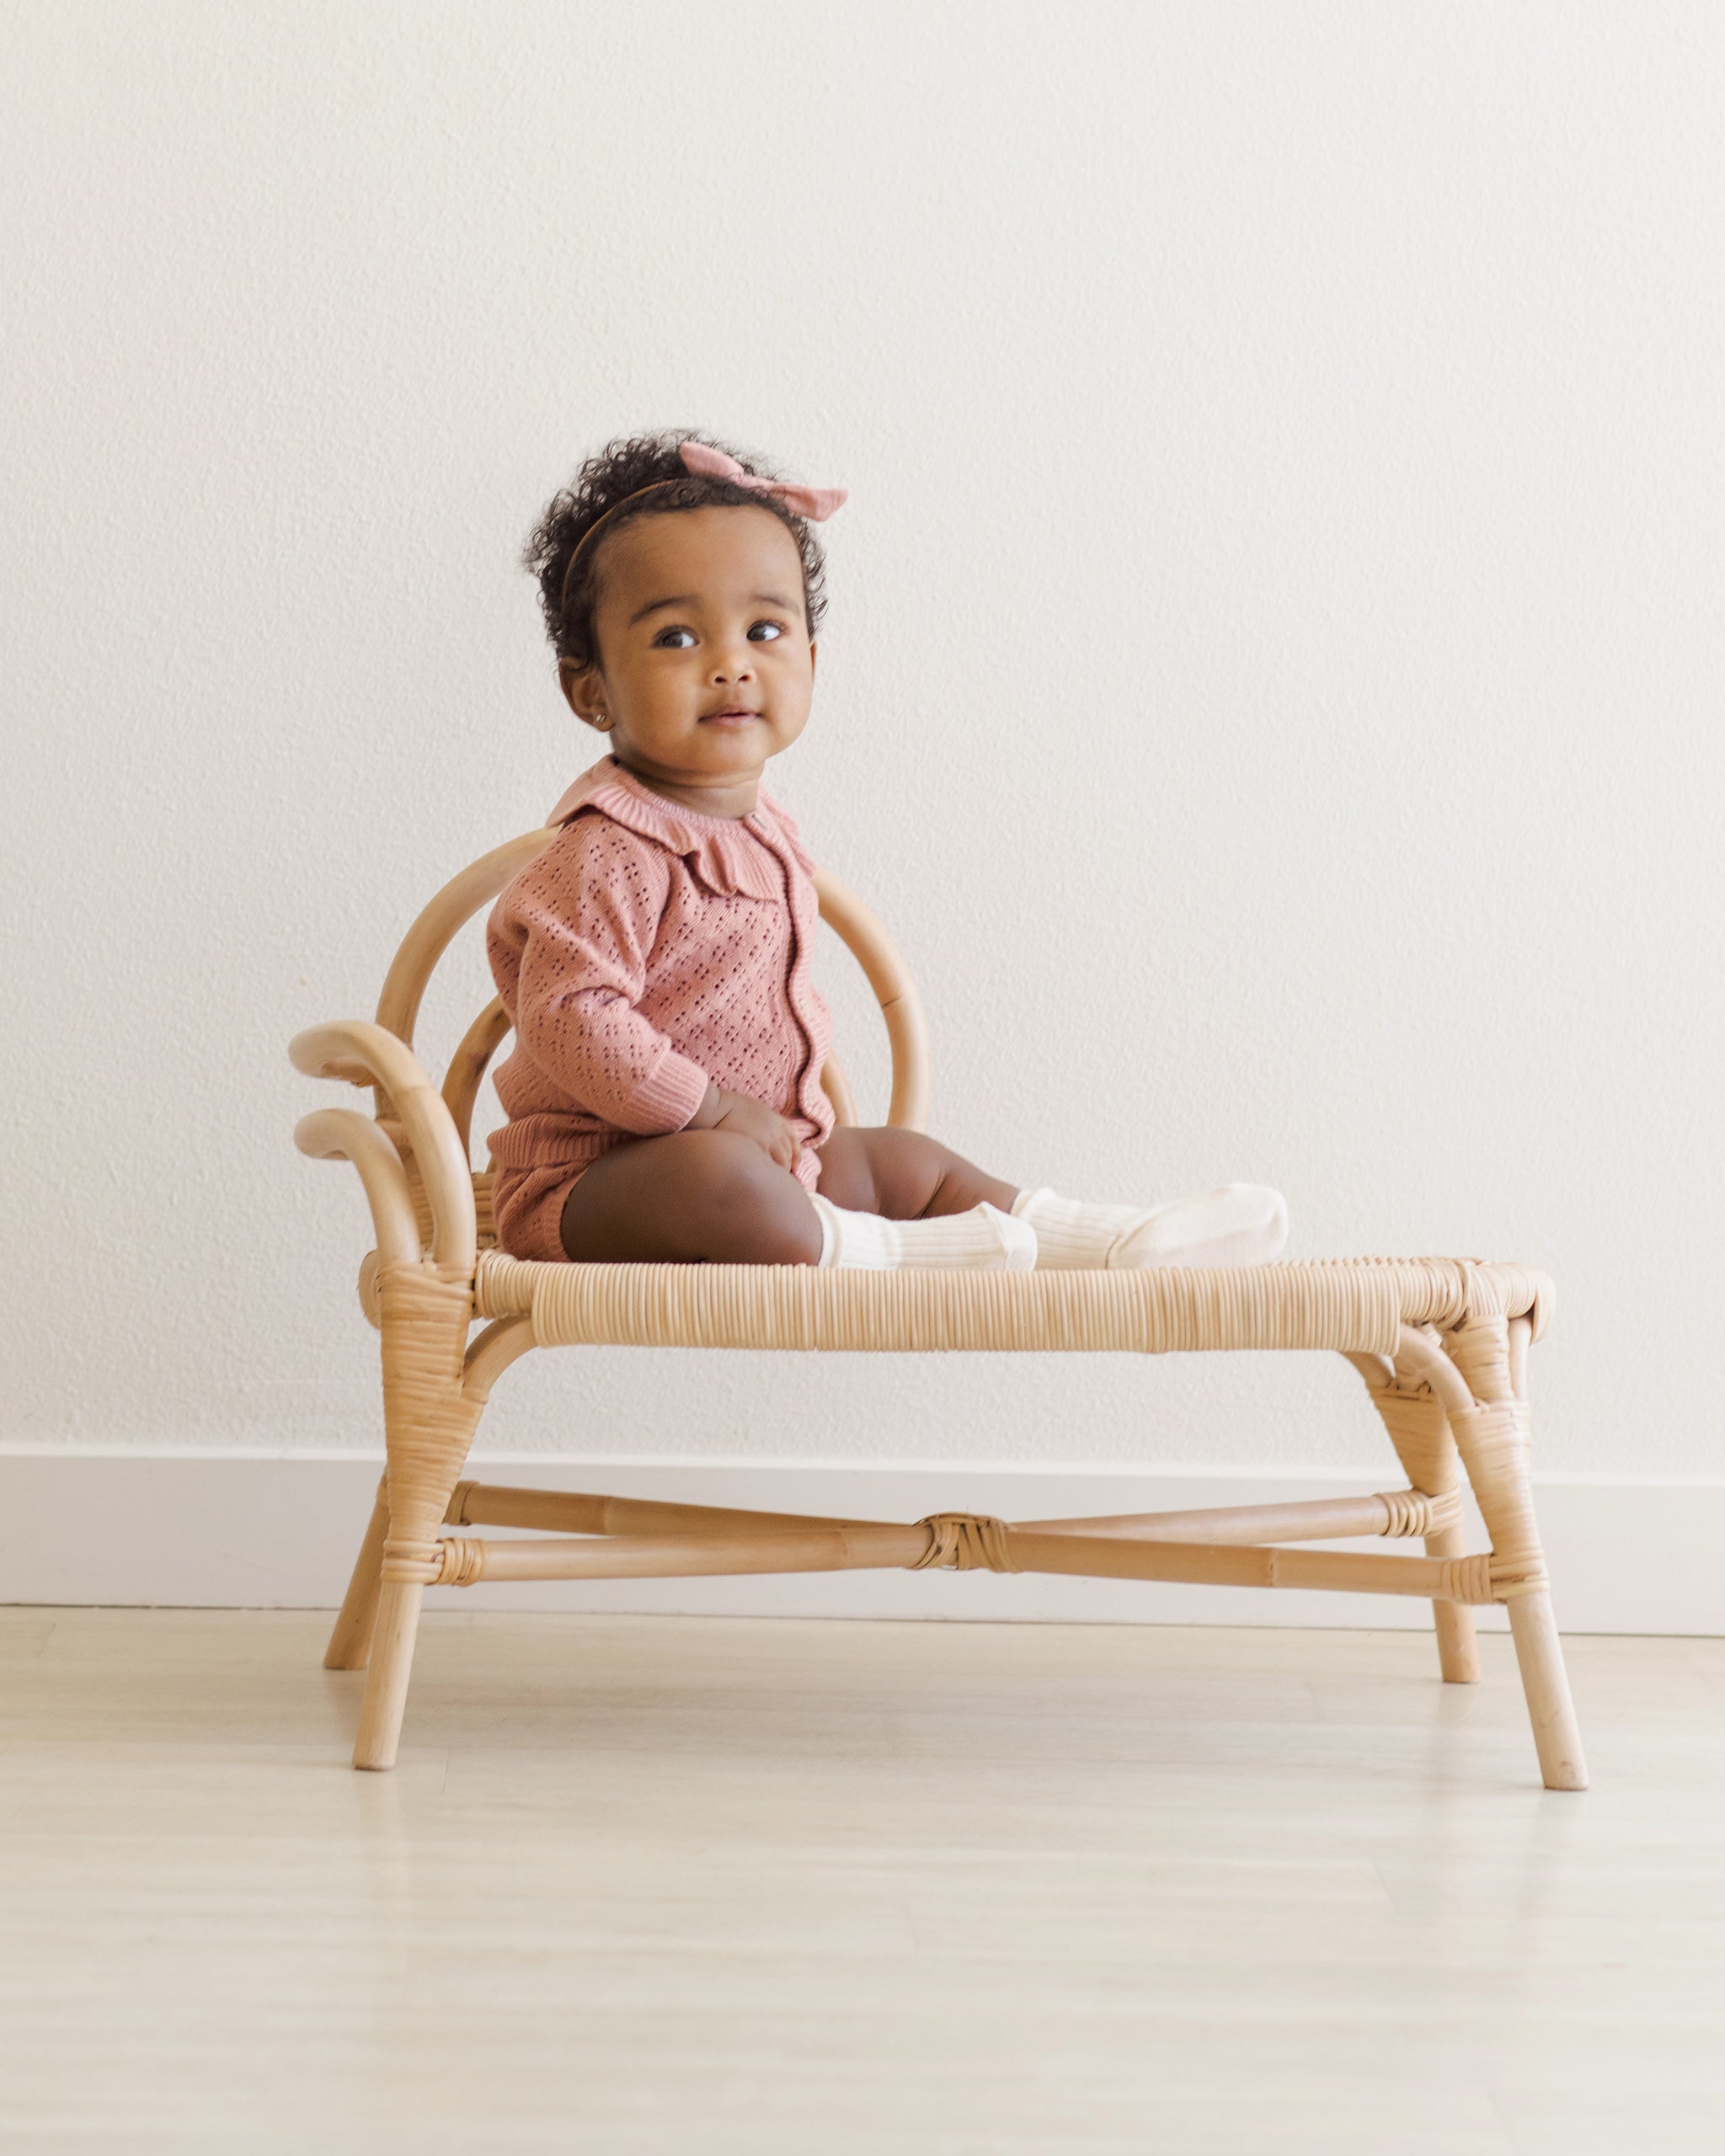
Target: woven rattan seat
[[1357, 1307], [1441, 1344]]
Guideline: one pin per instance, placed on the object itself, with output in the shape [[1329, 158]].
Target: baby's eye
[[674, 639], [765, 631]]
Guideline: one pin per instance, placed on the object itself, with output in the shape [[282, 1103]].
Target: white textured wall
[[1271, 684]]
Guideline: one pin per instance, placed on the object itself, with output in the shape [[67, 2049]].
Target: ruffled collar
[[726, 852]]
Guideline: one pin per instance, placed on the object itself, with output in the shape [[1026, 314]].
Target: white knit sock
[[981, 1240], [1241, 1224]]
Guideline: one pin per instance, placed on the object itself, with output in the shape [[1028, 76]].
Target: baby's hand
[[752, 1119]]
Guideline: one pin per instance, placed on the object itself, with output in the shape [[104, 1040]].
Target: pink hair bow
[[817, 503]]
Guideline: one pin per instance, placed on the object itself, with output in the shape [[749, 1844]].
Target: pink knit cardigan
[[647, 950]]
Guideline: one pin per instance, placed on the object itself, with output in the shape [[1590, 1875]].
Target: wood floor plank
[[644, 1885]]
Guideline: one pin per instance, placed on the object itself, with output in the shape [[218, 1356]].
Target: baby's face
[[705, 665]]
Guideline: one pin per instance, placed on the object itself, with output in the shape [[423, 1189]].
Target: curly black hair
[[622, 468]]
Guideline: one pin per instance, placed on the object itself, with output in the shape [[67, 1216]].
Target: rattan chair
[[1441, 1344]]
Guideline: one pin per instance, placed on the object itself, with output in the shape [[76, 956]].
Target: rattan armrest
[[363, 1054], [344, 1134]]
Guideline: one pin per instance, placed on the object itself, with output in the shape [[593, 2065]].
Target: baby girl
[[664, 1096]]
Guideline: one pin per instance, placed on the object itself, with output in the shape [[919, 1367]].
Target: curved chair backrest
[[479, 885]]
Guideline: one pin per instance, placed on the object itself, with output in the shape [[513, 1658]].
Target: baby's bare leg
[[905, 1175], [692, 1195]]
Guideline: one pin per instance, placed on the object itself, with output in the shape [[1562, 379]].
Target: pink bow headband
[[817, 503]]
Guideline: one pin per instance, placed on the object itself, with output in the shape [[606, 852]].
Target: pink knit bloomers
[[647, 950]]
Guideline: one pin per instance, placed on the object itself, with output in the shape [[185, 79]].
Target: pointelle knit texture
[[648, 949]]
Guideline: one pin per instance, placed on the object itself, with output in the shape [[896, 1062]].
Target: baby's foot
[[1241, 1224]]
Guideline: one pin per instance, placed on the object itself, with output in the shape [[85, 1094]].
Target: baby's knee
[[720, 1166], [888, 1170], [745, 1208]]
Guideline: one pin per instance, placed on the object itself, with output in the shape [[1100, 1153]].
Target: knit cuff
[[669, 1096]]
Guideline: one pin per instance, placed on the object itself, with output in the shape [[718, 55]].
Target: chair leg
[[429, 1415], [1420, 1431], [1539, 1655], [1494, 1439], [387, 1680], [350, 1641], [1458, 1644]]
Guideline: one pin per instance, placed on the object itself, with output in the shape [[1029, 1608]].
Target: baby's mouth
[[735, 716]]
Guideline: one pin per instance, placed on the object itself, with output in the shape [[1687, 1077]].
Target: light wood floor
[[738, 1887]]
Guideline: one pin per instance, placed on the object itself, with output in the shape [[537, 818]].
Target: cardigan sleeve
[[569, 942]]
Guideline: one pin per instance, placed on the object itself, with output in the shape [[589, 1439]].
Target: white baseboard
[[249, 1531]]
